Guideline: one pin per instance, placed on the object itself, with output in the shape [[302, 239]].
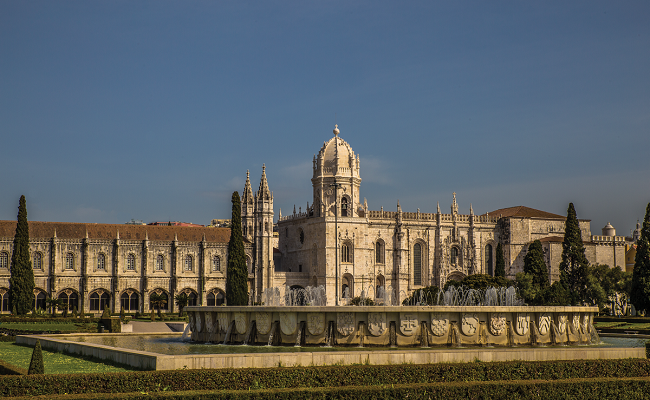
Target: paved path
[[149, 327]]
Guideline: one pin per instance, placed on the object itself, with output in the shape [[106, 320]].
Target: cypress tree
[[640, 293], [574, 265], [36, 364], [237, 273], [534, 264], [500, 268], [21, 283]]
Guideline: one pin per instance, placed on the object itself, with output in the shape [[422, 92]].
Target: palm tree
[[53, 304], [181, 302], [158, 300]]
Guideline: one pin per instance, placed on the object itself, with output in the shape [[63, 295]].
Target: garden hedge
[[314, 377], [10, 369], [593, 388]]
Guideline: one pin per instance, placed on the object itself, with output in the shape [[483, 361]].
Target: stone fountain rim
[[394, 309]]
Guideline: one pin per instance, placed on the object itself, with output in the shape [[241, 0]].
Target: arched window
[[380, 288], [130, 262], [4, 299], [101, 262], [454, 256], [99, 300], [417, 264], [4, 260], [188, 262], [489, 266], [39, 300], [216, 298], [160, 262], [129, 300], [379, 252], [344, 207], [70, 300], [191, 299], [216, 263], [69, 261], [345, 253], [37, 260]]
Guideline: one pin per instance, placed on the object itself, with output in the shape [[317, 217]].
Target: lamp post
[[336, 185]]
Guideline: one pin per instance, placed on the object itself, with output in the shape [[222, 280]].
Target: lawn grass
[[50, 326], [55, 363]]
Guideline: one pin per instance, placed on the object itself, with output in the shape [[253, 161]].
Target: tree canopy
[[21, 283], [640, 291], [574, 264], [237, 273]]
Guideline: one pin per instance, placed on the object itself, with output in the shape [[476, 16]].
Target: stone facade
[[402, 250], [93, 265]]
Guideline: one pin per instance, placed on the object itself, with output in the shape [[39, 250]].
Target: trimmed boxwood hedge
[[609, 388], [312, 377]]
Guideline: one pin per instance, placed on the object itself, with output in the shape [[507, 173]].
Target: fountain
[[456, 317]]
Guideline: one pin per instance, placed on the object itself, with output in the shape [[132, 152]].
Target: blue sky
[[155, 110]]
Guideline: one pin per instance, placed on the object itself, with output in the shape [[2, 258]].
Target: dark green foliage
[[237, 273], [107, 313], [480, 282], [122, 314], [428, 295], [500, 266], [535, 265], [158, 300], [181, 302], [153, 316], [21, 283], [74, 312], [640, 291], [364, 377], [555, 295], [574, 265], [365, 302], [36, 364]]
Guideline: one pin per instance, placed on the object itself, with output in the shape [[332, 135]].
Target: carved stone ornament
[[288, 323], [209, 322], [522, 323], [345, 323], [562, 320], [377, 323], [263, 322], [439, 323], [224, 321], [586, 321], [191, 315], [497, 323], [241, 323], [316, 323], [544, 323], [408, 323], [469, 323], [576, 322]]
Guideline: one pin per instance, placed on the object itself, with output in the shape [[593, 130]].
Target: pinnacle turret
[[247, 196], [263, 192]]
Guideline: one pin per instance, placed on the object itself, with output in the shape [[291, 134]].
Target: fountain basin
[[402, 326]]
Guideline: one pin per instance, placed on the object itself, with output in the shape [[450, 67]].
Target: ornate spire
[[454, 205], [247, 196], [471, 210], [439, 208], [264, 192], [336, 130]]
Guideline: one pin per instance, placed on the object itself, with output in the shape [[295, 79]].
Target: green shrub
[[36, 364], [365, 377], [10, 369]]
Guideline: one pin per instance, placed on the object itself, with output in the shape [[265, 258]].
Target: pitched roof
[[525, 212], [72, 230]]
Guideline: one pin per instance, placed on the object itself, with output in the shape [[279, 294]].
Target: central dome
[[336, 158]]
